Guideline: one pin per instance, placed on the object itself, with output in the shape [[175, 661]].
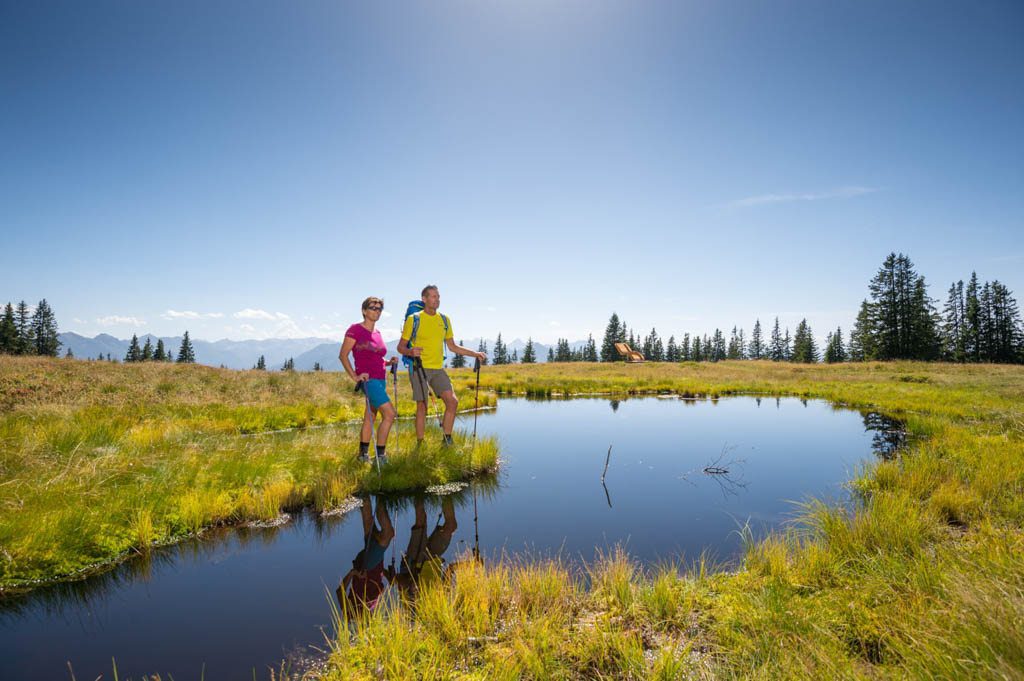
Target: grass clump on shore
[[99, 461], [923, 577]]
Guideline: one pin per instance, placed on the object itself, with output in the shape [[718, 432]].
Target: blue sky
[[247, 169]]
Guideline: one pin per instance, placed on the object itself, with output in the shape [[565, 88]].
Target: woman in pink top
[[368, 349]]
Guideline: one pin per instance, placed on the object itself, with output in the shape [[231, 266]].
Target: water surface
[[239, 600]]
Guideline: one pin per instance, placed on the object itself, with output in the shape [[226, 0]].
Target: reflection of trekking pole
[[361, 387]]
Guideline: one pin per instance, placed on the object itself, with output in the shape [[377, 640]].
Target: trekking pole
[[394, 378], [476, 401]]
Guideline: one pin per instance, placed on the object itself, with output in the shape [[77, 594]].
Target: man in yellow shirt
[[433, 334]]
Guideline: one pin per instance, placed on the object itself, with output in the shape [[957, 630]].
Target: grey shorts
[[437, 379]]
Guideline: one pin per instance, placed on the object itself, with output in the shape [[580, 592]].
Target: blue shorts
[[377, 390]]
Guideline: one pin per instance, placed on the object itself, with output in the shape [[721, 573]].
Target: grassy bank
[[923, 578], [99, 460]]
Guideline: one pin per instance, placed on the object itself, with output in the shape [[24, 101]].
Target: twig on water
[[606, 460]]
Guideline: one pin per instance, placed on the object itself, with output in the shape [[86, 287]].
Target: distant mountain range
[[244, 354]]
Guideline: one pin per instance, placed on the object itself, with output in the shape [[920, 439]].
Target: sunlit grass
[[920, 576]]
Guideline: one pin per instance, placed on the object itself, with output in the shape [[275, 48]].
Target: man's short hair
[[371, 300], [428, 287]]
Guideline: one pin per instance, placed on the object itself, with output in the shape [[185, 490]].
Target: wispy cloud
[[118, 320], [838, 193], [189, 314], [249, 313]]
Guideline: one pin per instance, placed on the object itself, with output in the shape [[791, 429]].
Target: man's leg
[[421, 419], [451, 405]]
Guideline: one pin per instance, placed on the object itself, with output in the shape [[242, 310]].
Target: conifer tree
[[756, 342], [529, 354], [26, 334], [514, 359], [261, 364], [776, 348], [551, 355], [834, 350], [734, 350], [612, 335], [718, 348], [903, 317], [160, 354], [787, 346], [672, 350], [805, 350], [289, 365], [44, 330], [317, 367], [953, 348], [590, 349], [482, 347], [134, 352], [742, 342], [698, 351], [500, 351], [972, 320], [685, 354], [563, 353], [69, 354], [458, 361], [8, 332], [147, 350], [186, 353]]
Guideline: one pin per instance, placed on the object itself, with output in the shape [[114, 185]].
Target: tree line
[[29, 333]]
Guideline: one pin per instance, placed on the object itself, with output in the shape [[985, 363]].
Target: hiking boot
[[382, 459], [363, 458]]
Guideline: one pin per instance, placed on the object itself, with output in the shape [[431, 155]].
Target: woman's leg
[[388, 415]]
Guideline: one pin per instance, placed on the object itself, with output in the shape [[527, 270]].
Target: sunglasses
[[375, 308]]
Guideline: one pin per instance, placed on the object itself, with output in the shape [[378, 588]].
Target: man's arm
[[459, 350]]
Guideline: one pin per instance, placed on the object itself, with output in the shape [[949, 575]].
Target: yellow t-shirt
[[430, 336]]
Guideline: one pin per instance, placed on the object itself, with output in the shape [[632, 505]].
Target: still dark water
[[240, 600]]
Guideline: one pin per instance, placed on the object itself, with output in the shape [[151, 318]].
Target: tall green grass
[[102, 461]]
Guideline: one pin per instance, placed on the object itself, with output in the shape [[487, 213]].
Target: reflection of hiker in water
[[364, 583], [422, 563]]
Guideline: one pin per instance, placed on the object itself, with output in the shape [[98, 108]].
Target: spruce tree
[[756, 342], [134, 352], [317, 367], [734, 350], [160, 354], [904, 320], [953, 325], [289, 365], [44, 330], [1007, 335], [514, 359], [186, 353], [685, 354], [482, 347], [805, 350], [458, 361], [672, 350], [698, 351], [500, 351], [69, 354], [261, 364], [529, 354], [862, 346], [972, 320], [26, 344], [590, 349], [612, 335], [551, 355], [8, 332], [787, 346], [776, 348], [147, 350], [834, 351]]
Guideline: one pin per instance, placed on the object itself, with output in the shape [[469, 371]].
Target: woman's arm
[[346, 349]]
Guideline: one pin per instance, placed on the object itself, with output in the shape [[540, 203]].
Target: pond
[[682, 478]]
